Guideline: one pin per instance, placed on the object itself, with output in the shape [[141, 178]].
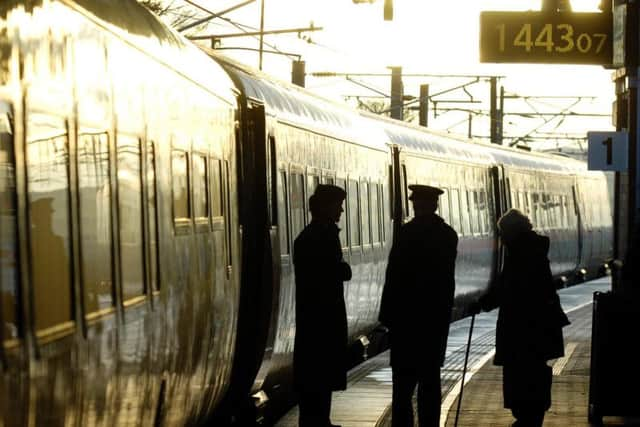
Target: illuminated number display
[[541, 37]]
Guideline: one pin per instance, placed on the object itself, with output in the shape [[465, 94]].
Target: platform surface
[[367, 400]]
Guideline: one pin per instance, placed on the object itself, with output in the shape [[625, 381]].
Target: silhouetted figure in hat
[[320, 351], [530, 320], [416, 307]]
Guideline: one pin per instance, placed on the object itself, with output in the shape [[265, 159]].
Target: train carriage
[[117, 223], [305, 141]]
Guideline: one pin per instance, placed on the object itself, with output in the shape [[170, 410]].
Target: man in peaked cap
[[320, 349], [416, 307]]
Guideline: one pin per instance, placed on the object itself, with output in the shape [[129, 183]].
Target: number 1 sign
[[608, 151]]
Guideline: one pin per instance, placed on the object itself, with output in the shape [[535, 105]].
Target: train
[[150, 193]]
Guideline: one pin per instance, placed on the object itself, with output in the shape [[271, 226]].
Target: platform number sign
[[542, 37], [608, 151]]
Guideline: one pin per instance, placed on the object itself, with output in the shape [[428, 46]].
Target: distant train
[[150, 195]]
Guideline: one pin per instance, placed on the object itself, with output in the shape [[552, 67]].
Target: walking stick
[[464, 370]]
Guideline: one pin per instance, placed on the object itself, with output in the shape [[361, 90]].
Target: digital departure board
[[544, 37]]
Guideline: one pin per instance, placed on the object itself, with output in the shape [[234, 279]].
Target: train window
[[50, 240], [283, 211], [130, 216], [535, 205], [375, 213], [455, 210], [383, 218], [474, 217], [564, 211], [527, 205], [152, 212], [200, 190], [180, 179], [296, 199], [465, 213], [484, 201], [8, 232], [312, 183], [342, 224], [94, 192], [354, 216], [364, 216], [521, 202], [215, 180]]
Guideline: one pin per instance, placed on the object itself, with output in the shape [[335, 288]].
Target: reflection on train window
[[283, 210], [227, 209], [342, 224], [455, 210], [485, 211], [473, 212], [328, 180], [200, 193], [130, 216], [354, 223], [94, 192], [364, 209], [535, 206], [383, 217], [50, 242], [565, 211], [464, 210], [153, 220], [375, 213], [180, 179], [443, 205], [8, 236], [522, 205], [216, 188], [312, 183], [297, 204]]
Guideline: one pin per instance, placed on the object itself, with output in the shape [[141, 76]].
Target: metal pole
[[397, 93], [493, 110], [261, 33], [464, 370], [424, 105]]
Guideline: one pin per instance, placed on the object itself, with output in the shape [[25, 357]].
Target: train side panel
[[122, 300], [547, 199], [468, 206]]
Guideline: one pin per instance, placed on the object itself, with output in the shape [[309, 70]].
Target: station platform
[[367, 400]]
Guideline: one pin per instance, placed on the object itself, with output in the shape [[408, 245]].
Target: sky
[[425, 37]]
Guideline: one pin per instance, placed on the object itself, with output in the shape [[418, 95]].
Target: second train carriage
[[307, 140]]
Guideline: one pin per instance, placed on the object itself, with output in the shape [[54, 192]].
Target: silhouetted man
[[320, 351], [416, 307]]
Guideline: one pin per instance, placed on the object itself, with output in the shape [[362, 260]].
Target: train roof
[[139, 27], [414, 139], [300, 107]]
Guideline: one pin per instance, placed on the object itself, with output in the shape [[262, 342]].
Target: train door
[[499, 188], [584, 243], [260, 256], [13, 352]]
